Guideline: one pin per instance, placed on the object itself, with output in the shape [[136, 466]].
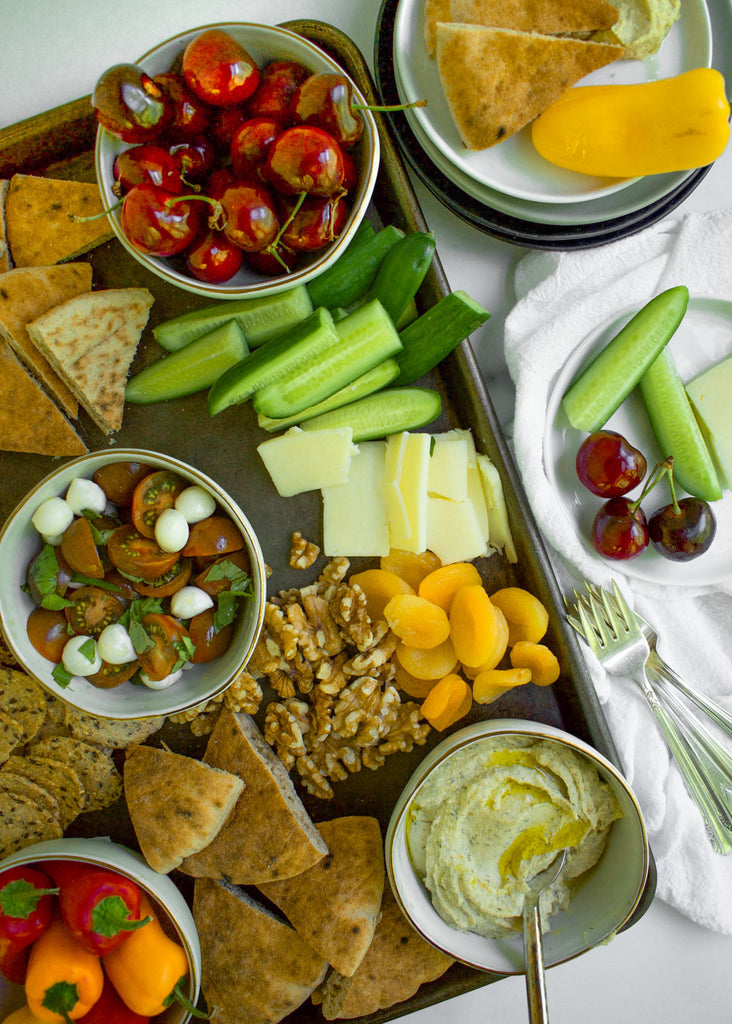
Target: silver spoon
[[533, 952]]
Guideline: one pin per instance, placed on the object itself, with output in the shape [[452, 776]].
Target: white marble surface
[[664, 968]]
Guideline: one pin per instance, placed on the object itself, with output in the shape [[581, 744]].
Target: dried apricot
[[473, 625], [494, 682], [411, 567], [379, 586], [417, 621], [499, 649], [537, 657], [417, 688], [441, 585], [449, 700], [527, 617], [427, 663]]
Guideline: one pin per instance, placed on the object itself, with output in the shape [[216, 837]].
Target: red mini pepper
[[110, 1009], [100, 907], [26, 905]]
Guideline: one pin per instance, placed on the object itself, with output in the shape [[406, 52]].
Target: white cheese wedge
[[499, 528], [354, 513], [407, 495], [448, 469], [300, 460], [454, 533], [396, 510], [711, 396]]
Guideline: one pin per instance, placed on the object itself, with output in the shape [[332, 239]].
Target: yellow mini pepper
[[22, 1015], [64, 980], [625, 131]]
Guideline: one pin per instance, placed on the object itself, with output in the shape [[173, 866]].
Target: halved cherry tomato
[[214, 587], [110, 675], [169, 583], [216, 535], [118, 480], [38, 568], [80, 550], [47, 631], [154, 493], [138, 556], [92, 609], [157, 662], [208, 643], [124, 589]]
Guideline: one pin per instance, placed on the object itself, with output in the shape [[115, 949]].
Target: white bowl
[[264, 43], [601, 905], [19, 541], [167, 900]]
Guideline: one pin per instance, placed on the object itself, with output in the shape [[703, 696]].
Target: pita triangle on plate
[[41, 222], [498, 80], [5, 261], [90, 341], [29, 421], [27, 293]]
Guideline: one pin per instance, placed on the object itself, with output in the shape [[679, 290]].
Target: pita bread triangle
[[5, 259], [497, 80], [29, 421], [90, 341], [27, 293]]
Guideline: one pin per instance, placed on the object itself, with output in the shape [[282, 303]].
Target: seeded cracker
[[60, 779], [11, 735], [106, 732], [97, 771], [22, 786], [23, 699], [23, 822]]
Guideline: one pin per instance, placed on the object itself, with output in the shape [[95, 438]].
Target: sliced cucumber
[[260, 319], [432, 336], [350, 277], [300, 346], [402, 271], [373, 380], [363, 339], [677, 430], [601, 387], [192, 368], [386, 412]]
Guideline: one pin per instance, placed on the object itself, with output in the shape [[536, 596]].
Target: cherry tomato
[[138, 556], [124, 590], [216, 535], [119, 479], [239, 558], [158, 661], [80, 550], [208, 643], [214, 258], [218, 68], [48, 633], [38, 566], [153, 494], [169, 583], [92, 609], [110, 675]]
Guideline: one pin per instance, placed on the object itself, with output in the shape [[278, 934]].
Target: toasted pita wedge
[[269, 834], [90, 341], [398, 961], [29, 421], [334, 905], [255, 969], [177, 804], [5, 259], [27, 293], [41, 225], [497, 80], [434, 11]]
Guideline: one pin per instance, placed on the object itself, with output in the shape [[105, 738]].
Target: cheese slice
[[710, 395], [300, 460], [454, 532], [499, 528], [354, 513], [396, 510], [407, 493], [448, 468]]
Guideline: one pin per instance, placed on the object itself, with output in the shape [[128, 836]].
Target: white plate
[[703, 338], [514, 167]]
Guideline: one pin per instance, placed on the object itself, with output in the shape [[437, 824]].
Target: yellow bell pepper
[[625, 131]]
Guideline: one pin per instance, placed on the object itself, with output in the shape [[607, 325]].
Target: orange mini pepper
[[64, 980]]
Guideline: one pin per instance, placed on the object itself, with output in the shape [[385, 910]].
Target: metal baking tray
[[59, 143]]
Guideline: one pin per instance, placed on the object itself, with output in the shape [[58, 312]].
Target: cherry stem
[[659, 470], [217, 220], [390, 108], [96, 216]]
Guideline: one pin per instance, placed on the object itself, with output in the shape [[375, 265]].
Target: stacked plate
[[509, 190]]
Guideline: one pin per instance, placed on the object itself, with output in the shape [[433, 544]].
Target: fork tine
[[590, 631]]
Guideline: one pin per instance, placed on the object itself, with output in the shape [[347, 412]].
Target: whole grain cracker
[[61, 780], [21, 785], [23, 699], [107, 732], [11, 735], [97, 771], [23, 822]]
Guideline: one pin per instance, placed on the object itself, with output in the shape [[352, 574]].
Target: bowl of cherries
[[234, 159]]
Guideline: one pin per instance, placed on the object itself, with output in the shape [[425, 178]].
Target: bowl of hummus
[[488, 810]]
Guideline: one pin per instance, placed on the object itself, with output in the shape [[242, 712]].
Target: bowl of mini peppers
[[89, 933]]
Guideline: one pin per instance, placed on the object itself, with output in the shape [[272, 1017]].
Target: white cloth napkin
[[561, 298]]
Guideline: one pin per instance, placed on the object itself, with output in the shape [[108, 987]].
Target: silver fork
[[614, 635]]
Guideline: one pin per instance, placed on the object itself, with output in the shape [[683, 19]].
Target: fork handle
[[534, 959], [714, 710]]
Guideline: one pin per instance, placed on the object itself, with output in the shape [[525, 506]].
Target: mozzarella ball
[[54, 539], [52, 517], [76, 661], [114, 645], [161, 684], [189, 601], [171, 530], [86, 496], [195, 503]]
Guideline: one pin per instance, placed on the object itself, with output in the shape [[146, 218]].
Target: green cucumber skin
[[375, 379], [259, 318], [364, 339], [606, 382], [190, 369], [402, 271], [383, 413], [295, 348], [676, 429], [434, 334], [351, 276]]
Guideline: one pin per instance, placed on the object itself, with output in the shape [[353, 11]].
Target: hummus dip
[[641, 27], [493, 815]]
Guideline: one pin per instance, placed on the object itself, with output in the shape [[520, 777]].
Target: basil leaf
[[54, 602], [225, 610], [89, 650], [44, 570], [139, 637], [91, 581], [62, 677]]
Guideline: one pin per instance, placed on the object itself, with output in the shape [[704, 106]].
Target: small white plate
[[703, 339], [514, 167]]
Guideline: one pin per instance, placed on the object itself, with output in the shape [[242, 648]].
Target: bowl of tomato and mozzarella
[[133, 585]]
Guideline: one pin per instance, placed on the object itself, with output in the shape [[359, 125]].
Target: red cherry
[[196, 158], [317, 223], [350, 172], [224, 125], [305, 159], [191, 114], [218, 181], [159, 224], [326, 101], [619, 529], [249, 216], [218, 68], [213, 258], [146, 162], [278, 81], [608, 465], [272, 262], [130, 105], [250, 146]]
